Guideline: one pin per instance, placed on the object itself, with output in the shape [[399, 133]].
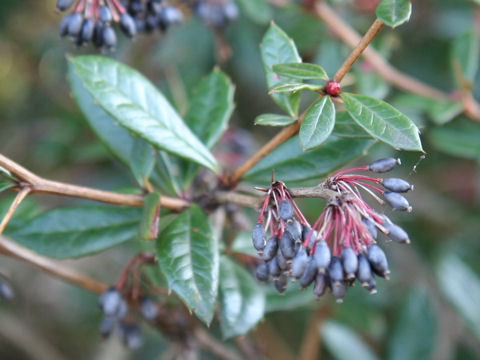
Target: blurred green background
[[430, 309]]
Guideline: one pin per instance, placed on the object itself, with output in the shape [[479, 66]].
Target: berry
[[395, 232], [281, 261], [109, 38], [63, 5], [309, 274], [281, 283], [274, 268], [321, 285], [299, 263], [378, 260], [262, 272], [295, 230], [349, 262], [372, 229], [131, 336], [333, 88], [335, 271], [110, 301], [364, 272], [149, 308], [259, 237], [397, 201], [322, 256], [270, 249], [107, 325], [287, 246], [396, 185], [285, 210], [74, 24], [339, 290], [127, 24], [86, 34], [104, 14], [384, 165]]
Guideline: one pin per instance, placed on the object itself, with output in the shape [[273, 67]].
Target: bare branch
[[13, 207]]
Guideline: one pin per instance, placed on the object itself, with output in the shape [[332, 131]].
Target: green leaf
[[150, 217], [345, 344], [210, 110], [139, 107], [129, 149], [278, 48], [383, 121], [256, 10], [293, 87], [414, 333], [5, 185], [394, 12], [317, 124], [165, 174], [442, 112], [291, 163], [243, 244], [346, 127], [242, 299], [188, 256], [461, 286], [302, 71], [5, 173], [465, 56], [78, 231], [274, 120], [457, 138]]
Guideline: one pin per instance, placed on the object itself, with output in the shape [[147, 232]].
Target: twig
[[358, 50], [38, 184], [213, 346], [13, 207], [54, 268]]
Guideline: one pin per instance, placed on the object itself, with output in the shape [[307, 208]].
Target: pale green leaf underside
[[302, 71], [394, 12], [274, 120], [318, 123]]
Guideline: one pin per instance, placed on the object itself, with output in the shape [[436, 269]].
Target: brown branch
[[50, 266], [358, 50], [38, 184], [13, 207]]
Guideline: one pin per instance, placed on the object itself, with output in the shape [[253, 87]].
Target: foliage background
[[429, 308]]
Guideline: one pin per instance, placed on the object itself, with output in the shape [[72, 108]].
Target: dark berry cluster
[[216, 14], [93, 20], [341, 245]]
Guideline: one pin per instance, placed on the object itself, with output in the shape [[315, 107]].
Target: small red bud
[[333, 88]]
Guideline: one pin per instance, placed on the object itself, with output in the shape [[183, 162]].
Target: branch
[[50, 266], [37, 184], [13, 207], [395, 77]]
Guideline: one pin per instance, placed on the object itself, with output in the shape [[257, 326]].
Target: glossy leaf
[[5, 185], [457, 138], [139, 107], [394, 12], [242, 302], [278, 48], [150, 216], [78, 231], [346, 127], [461, 286], [383, 122], [274, 120], [414, 333], [344, 344], [129, 149], [291, 163], [256, 10], [188, 256], [317, 124], [465, 56], [165, 174], [293, 87], [302, 71]]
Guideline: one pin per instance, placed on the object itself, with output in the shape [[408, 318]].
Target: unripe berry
[[396, 233], [321, 285], [104, 14], [383, 165], [372, 229], [396, 185], [299, 263], [127, 24], [349, 262], [378, 260], [273, 268], [259, 237], [281, 283], [364, 272], [397, 201], [295, 230], [339, 290], [335, 272], [262, 272], [270, 249], [309, 273], [285, 210], [333, 88], [322, 256], [287, 246]]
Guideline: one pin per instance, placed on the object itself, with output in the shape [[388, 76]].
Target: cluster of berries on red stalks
[[93, 20], [341, 246]]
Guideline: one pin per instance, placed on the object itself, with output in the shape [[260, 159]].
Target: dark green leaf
[[165, 174], [256, 10], [291, 163], [414, 333], [278, 48], [129, 149], [394, 12], [242, 299], [458, 138], [139, 107], [317, 124], [302, 71], [188, 256], [465, 57], [293, 87], [461, 286], [79, 231], [344, 344], [383, 121], [346, 127], [274, 120], [150, 217], [210, 109]]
